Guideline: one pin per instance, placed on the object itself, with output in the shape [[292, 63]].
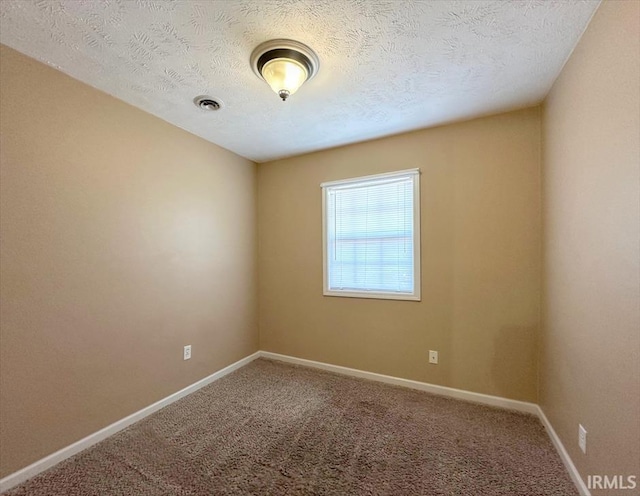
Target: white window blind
[[371, 236]]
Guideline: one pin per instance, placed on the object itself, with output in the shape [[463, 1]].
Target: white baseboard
[[22, 475], [520, 406], [564, 455], [47, 462], [485, 399]]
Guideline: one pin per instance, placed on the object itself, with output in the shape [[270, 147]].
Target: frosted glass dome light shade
[[284, 76], [285, 65]]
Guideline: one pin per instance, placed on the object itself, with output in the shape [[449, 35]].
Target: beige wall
[[123, 239], [480, 259], [590, 353], [118, 248]]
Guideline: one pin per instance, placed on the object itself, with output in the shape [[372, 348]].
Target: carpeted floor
[[277, 429]]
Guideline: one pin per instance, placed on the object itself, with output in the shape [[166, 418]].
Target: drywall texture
[[590, 352], [123, 239], [387, 66], [480, 215]]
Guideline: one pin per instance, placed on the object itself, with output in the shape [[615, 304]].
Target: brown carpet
[[277, 429]]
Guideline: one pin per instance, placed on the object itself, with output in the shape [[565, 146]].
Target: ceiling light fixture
[[285, 65]]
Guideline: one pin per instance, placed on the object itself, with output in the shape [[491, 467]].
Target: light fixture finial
[[284, 94]]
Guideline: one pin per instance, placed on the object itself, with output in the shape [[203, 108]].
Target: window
[[371, 236]]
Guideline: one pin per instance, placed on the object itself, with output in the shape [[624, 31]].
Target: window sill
[[373, 295]]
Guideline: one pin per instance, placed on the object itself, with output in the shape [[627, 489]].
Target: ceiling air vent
[[207, 103]]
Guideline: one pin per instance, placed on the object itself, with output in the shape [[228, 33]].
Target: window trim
[[381, 295]]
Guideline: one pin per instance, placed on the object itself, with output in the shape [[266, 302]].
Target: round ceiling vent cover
[[207, 103]]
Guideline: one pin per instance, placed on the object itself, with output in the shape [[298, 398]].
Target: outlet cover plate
[[433, 356], [187, 352], [582, 438]]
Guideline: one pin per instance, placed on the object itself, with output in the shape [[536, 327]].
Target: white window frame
[[385, 295]]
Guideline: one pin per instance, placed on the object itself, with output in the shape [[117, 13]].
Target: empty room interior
[[303, 247]]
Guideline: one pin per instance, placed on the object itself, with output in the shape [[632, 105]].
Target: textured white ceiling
[[386, 66]]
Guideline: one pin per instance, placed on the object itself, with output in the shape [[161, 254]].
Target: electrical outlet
[[433, 356], [187, 352], [582, 438]]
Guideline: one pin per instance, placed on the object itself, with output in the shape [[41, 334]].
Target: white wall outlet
[[187, 352], [582, 438], [433, 356]]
